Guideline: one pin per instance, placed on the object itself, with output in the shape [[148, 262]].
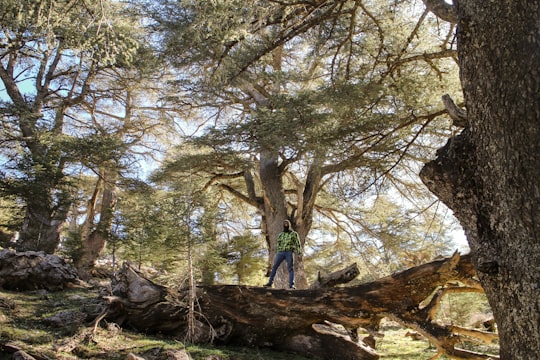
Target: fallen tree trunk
[[291, 320]]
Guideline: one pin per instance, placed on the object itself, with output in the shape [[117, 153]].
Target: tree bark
[[41, 227], [274, 208], [299, 321], [339, 277], [489, 174], [275, 212], [47, 201], [94, 242]]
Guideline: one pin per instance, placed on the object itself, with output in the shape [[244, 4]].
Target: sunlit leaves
[[345, 89]]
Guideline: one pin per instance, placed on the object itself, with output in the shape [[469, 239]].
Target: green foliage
[[71, 245], [245, 260], [74, 25], [94, 150], [10, 219], [464, 309], [397, 230], [156, 229], [54, 50], [349, 92]]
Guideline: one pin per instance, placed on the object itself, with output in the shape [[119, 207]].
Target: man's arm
[[297, 244]]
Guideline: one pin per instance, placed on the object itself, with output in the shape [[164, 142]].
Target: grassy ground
[[396, 346], [22, 325]]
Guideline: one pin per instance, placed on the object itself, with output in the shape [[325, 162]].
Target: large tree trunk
[[43, 220], [302, 321], [47, 202], [274, 208], [490, 174], [275, 211], [93, 242]]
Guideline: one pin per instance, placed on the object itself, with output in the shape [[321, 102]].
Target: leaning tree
[[489, 174]]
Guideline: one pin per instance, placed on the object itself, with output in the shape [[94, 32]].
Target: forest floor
[[25, 324]]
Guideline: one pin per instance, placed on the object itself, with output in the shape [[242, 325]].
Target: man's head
[[286, 225]]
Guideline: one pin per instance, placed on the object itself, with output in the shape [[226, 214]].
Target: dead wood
[[338, 277], [291, 320]]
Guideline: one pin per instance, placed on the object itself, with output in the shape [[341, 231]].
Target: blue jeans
[[280, 256]]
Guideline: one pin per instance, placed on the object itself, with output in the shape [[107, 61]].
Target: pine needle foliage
[[344, 92]]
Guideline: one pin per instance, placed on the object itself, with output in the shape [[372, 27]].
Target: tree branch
[[239, 195], [338, 277], [442, 10], [484, 336], [457, 114]]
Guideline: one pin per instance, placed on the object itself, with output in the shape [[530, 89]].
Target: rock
[[176, 355], [32, 270], [65, 318], [21, 355], [69, 321], [132, 356]]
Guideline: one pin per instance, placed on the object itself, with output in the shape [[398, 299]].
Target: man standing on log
[[288, 243]]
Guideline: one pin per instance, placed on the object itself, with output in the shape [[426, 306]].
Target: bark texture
[[489, 174], [95, 236], [339, 277], [301, 321]]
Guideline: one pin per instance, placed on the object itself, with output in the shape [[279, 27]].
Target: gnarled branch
[[442, 9], [338, 277], [457, 114]]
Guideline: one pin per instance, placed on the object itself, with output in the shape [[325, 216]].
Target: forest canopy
[[180, 135], [151, 126]]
